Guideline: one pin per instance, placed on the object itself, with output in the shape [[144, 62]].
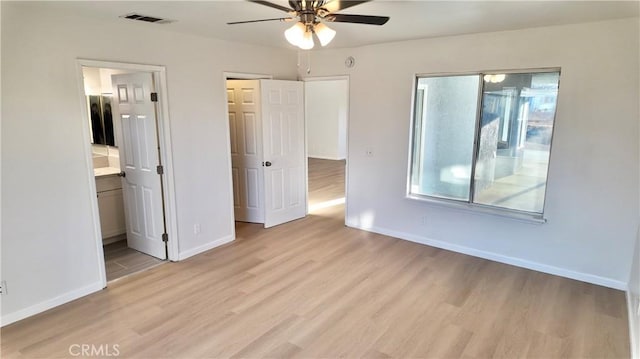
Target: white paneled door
[[285, 170], [268, 155], [139, 159], [245, 125]]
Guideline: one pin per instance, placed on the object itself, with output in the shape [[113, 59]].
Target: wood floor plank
[[314, 288]]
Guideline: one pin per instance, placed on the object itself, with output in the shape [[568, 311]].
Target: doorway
[[326, 113], [267, 149], [126, 126]]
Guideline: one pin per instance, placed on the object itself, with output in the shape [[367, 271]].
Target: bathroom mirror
[[101, 119]]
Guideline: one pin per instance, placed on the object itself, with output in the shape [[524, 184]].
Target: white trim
[[114, 239], [205, 247], [50, 303], [325, 78], [91, 178], [540, 267], [120, 66], [477, 208], [227, 130], [634, 324], [326, 157], [164, 125], [245, 76]]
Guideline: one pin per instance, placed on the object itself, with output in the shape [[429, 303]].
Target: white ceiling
[[409, 19]]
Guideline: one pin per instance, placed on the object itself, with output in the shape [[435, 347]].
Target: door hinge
[[160, 169], [154, 97], [165, 237]]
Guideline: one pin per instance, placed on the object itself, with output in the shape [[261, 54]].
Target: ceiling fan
[[310, 17]]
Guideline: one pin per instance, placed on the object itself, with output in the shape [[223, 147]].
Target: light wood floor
[[120, 260], [313, 288], [326, 180]]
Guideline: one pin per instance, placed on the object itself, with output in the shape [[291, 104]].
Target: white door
[[243, 97], [139, 159], [285, 165]]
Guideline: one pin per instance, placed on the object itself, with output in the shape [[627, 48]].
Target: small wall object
[[349, 62]]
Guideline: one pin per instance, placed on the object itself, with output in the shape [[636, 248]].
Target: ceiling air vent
[[145, 18]]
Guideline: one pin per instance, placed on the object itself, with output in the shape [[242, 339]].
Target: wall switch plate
[[196, 228], [3, 287]]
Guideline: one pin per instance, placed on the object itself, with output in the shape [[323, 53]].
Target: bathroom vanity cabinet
[[111, 207]]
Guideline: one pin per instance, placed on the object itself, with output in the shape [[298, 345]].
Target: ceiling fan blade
[[262, 20], [337, 5], [272, 5], [358, 19], [295, 5]]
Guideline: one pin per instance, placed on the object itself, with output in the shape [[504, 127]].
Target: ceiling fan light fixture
[[307, 41], [325, 33], [295, 34], [494, 78], [309, 15]]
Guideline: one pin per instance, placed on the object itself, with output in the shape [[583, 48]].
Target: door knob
[[267, 164], [122, 174]]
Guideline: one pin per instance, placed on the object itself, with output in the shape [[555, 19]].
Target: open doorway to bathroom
[[326, 112], [127, 165]]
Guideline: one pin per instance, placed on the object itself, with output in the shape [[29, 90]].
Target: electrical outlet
[[196, 228], [3, 287]]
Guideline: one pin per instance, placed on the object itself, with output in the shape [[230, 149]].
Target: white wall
[[633, 297], [592, 196], [92, 81], [326, 116], [98, 80], [49, 255]]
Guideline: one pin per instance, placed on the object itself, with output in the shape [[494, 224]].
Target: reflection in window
[[511, 134], [444, 131], [515, 141]]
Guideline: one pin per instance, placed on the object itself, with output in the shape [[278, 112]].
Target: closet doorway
[[267, 149]]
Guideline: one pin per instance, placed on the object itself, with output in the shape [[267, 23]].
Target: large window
[[484, 139]]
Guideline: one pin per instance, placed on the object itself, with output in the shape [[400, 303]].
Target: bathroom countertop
[[106, 171]]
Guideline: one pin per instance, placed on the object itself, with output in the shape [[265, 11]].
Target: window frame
[[470, 205]]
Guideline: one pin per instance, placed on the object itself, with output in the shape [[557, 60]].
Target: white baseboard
[[205, 247], [562, 272], [326, 158], [634, 324], [67, 297], [48, 304], [114, 239]]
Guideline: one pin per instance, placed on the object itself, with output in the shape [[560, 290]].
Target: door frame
[[228, 75], [164, 135], [346, 169]]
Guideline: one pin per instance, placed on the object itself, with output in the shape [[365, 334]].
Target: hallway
[[326, 182]]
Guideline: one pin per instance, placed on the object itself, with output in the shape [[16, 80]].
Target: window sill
[[478, 208]]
